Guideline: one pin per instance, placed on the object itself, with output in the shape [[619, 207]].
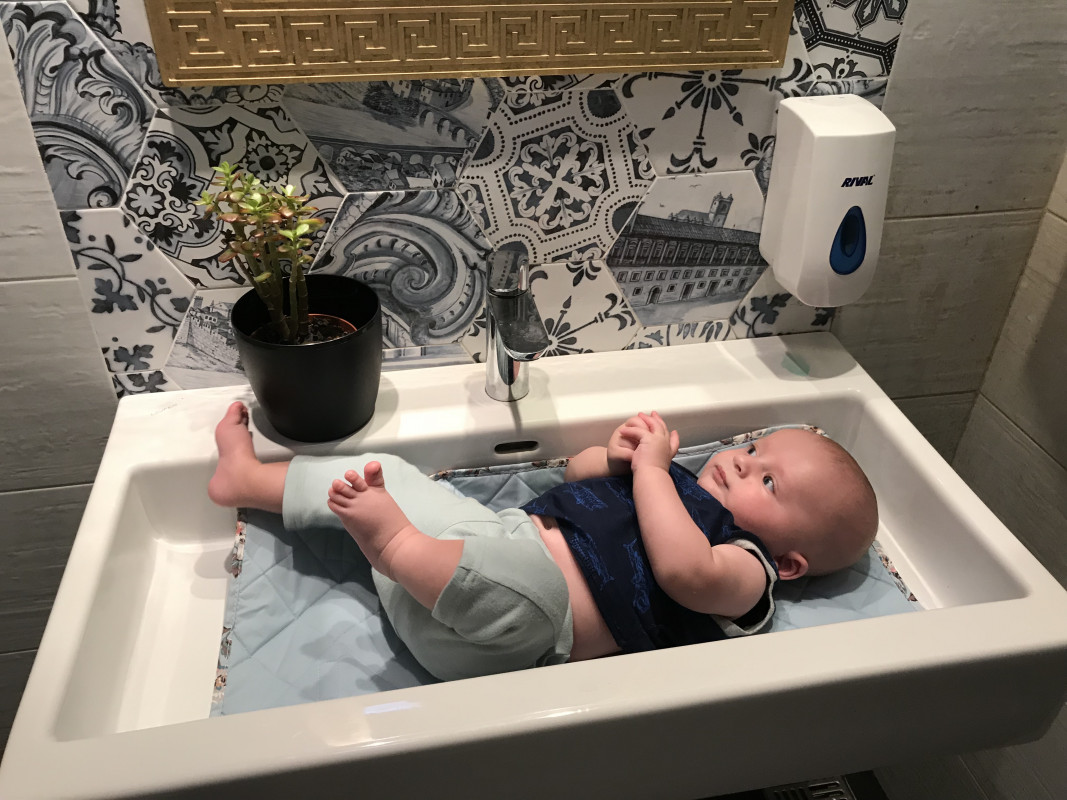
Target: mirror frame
[[226, 42]]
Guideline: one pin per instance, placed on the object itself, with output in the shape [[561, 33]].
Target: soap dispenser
[[822, 224]]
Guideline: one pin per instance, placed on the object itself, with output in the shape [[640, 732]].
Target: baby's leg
[[241, 480], [421, 564]]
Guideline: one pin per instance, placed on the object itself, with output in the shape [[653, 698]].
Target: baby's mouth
[[720, 475]]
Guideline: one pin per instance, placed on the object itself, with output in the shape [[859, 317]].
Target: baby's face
[[771, 485]]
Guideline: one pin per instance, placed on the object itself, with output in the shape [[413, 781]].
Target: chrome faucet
[[514, 331]]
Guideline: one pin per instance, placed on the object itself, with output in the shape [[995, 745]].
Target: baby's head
[[802, 494]]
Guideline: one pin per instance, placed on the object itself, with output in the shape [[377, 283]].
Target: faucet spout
[[515, 336]]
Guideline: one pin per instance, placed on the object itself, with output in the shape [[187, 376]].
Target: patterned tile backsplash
[[637, 198]]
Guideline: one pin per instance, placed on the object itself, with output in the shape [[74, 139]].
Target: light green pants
[[506, 606]]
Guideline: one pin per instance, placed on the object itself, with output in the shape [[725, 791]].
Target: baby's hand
[[657, 445], [622, 444]]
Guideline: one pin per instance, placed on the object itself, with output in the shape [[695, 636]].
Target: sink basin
[[118, 701]]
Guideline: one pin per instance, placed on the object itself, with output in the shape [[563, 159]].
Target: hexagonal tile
[[136, 296], [582, 308], [850, 38], [682, 333], [421, 251], [700, 121], [88, 115], [205, 349], [692, 249], [558, 173], [769, 310], [175, 167], [409, 134]]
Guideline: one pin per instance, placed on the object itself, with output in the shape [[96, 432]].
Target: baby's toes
[[356, 480]]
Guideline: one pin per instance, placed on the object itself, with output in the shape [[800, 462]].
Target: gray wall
[[1014, 455]]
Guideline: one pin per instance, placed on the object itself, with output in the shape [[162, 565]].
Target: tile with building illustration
[[694, 122], [147, 382], [582, 308], [691, 251], [681, 333], [421, 251], [175, 167], [88, 115], [850, 38], [205, 349], [769, 310], [135, 295], [558, 173], [394, 134]]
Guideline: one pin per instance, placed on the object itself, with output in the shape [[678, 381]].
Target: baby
[[633, 552]]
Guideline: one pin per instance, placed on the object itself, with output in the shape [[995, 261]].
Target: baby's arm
[[724, 580]]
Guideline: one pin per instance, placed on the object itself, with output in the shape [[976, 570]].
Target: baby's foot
[[371, 515], [237, 458]]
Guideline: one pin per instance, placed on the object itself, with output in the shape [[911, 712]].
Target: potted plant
[[310, 345]]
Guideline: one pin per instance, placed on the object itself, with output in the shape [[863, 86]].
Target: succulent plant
[[268, 239]]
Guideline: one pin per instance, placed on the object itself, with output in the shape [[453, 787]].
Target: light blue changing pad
[[303, 622]]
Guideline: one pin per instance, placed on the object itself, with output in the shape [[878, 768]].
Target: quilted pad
[[303, 622]]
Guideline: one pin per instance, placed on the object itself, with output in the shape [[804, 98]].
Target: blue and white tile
[[421, 251], [175, 167], [691, 251], [135, 295], [88, 115], [127, 384], [559, 174], [582, 308], [700, 121], [205, 349], [539, 84], [850, 38], [769, 310], [871, 89], [409, 134], [124, 30], [682, 333]]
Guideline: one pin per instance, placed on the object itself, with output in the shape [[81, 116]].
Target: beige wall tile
[[1026, 379], [39, 527], [941, 418], [976, 94], [14, 670], [30, 229], [1057, 204], [930, 320], [1019, 482], [56, 403]]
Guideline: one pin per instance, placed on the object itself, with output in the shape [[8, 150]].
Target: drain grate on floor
[[825, 789]]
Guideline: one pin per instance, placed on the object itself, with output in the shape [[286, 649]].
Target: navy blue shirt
[[599, 522]]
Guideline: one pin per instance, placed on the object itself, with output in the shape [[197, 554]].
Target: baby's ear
[[791, 565]]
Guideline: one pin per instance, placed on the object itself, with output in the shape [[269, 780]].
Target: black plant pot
[[322, 390]]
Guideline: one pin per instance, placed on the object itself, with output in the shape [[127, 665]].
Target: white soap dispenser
[[822, 225]]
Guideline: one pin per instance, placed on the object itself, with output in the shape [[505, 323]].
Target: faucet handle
[[508, 270]]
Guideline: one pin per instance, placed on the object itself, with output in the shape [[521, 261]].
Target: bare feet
[[241, 479], [371, 516]]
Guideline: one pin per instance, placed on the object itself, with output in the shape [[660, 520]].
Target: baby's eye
[[768, 481], [751, 450]]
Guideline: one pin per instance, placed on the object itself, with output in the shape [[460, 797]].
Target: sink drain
[[825, 789]]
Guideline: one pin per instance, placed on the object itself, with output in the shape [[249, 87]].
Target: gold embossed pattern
[[242, 41]]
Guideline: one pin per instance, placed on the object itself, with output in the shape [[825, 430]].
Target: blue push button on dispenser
[[850, 243]]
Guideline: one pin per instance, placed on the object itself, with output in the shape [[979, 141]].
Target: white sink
[[117, 704]]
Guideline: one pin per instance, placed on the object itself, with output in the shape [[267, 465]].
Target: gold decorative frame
[[206, 42]]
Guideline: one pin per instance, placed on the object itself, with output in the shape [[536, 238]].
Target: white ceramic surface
[[117, 703]]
